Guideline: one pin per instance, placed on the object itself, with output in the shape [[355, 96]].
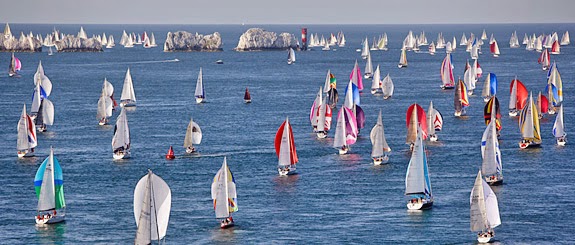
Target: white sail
[[284, 158], [340, 131], [484, 211], [558, 128], [152, 205], [368, 65], [105, 107], [376, 80], [377, 137], [491, 164], [224, 191], [199, 93], [326, 85], [430, 118], [417, 177], [365, 49], [323, 123], [513, 95], [193, 134], [43, 80], [387, 86], [47, 112], [47, 197], [315, 107], [291, 56], [121, 132], [527, 130], [36, 100], [128, 94], [22, 141]]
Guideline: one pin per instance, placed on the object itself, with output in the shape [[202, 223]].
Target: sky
[[287, 12]]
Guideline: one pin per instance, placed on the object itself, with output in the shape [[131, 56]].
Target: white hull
[[513, 113], [225, 225], [367, 75], [561, 141], [484, 238], [321, 135], [343, 151], [419, 205], [247, 101], [289, 170], [199, 100], [43, 219], [433, 138], [122, 155], [25, 153], [103, 122], [127, 104], [380, 160], [190, 150], [401, 66], [494, 180], [530, 144]]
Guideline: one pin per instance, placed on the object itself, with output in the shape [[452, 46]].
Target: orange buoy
[[170, 154]]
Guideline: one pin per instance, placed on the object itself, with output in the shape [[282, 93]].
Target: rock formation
[[186, 42], [257, 39], [70, 43], [26, 43]]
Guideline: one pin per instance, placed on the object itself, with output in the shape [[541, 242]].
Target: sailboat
[[544, 60], [121, 140], [558, 128], [565, 38], [415, 117], [417, 182], [489, 113], [49, 185], [200, 93], [50, 52], [193, 136], [26, 135], [387, 87], [470, 79], [529, 126], [555, 48], [447, 80], [43, 81], [431, 48], [494, 47], [15, 66], [491, 166], [355, 76], [225, 196], [320, 116], [285, 149], [554, 89], [489, 87], [434, 122], [368, 72], [376, 83], [542, 104], [42, 109], [402, 59], [152, 205], [247, 96], [128, 97], [364, 49], [517, 97], [484, 210], [291, 56], [345, 131], [460, 99], [380, 148]]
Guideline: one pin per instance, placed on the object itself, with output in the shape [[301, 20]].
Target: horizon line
[[302, 24]]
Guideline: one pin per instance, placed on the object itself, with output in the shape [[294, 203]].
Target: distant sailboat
[[431, 48], [565, 38], [193, 136], [434, 122], [50, 52], [517, 97], [558, 128], [447, 79], [491, 166], [388, 87], [128, 97], [247, 96], [380, 148], [484, 211], [291, 56], [368, 72], [225, 196], [402, 59], [200, 93], [285, 149], [26, 135], [152, 205], [489, 113], [121, 139], [461, 99], [49, 185], [355, 76], [489, 87], [544, 60], [555, 48], [417, 182], [529, 126], [364, 49], [15, 66], [346, 130], [494, 47], [376, 83]]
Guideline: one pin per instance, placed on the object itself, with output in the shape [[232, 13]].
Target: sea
[[334, 199]]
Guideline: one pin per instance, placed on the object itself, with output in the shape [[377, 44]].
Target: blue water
[[334, 199]]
